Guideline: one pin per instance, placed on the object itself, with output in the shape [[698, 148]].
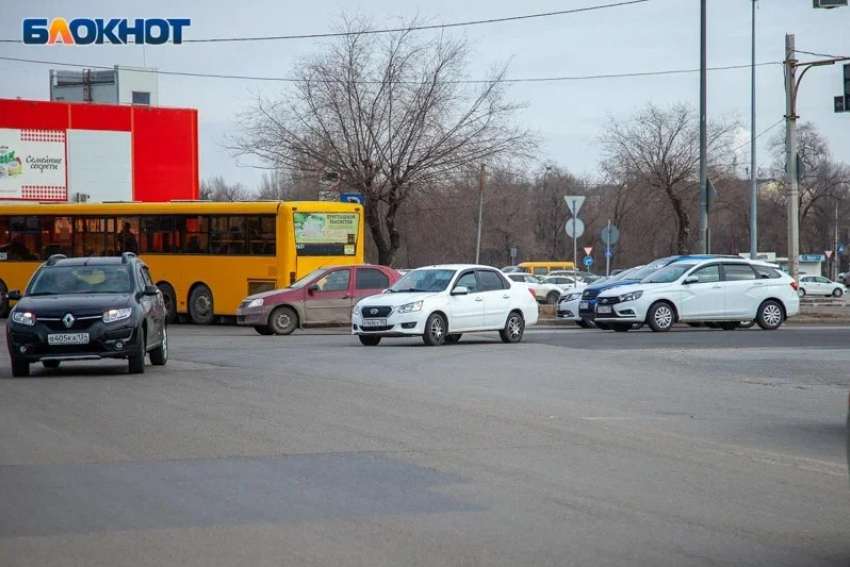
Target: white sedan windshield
[[424, 280]]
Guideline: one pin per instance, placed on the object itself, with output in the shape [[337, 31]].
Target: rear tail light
[[794, 285], [531, 291]]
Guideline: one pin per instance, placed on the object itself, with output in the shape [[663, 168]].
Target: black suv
[[87, 309]]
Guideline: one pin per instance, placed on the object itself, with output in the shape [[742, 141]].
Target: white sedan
[[567, 284], [721, 291], [440, 303], [545, 292], [819, 285]]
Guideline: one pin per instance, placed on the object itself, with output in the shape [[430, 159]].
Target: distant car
[[87, 309], [568, 309], [322, 297], [441, 303], [819, 285], [718, 290], [544, 292], [511, 270], [566, 283]]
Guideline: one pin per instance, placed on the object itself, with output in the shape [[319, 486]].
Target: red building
[[59, 151]]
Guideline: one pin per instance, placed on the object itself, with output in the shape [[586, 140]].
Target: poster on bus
[[326, 234], [32, 165]]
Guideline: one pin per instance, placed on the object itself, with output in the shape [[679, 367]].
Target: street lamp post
[[754, 241]]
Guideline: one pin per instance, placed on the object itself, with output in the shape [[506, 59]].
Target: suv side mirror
[[14, 295], [460, 290], [691, 279], [151, 290]]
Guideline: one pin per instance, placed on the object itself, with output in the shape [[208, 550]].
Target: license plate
[[68, 339], [584, 305], [374, 323], [603, 309]]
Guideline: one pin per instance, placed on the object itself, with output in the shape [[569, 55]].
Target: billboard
[[326, 234], [33, 165]]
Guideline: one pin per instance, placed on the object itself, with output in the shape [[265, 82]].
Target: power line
[[403, 29], [816, 54], [466, 81], [763, 132]]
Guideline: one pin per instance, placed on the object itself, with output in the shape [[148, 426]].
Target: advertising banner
[[326, 234], [32, 165]]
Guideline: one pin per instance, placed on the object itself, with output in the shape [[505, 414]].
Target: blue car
[[587, 304]]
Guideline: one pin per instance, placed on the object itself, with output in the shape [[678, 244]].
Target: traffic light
[[847, 80], [842, 103], [828, 3]]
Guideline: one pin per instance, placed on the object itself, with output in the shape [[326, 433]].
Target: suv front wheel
[[20, 369], [136, 362]]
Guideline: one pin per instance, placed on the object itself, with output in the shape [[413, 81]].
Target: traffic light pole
[[705, 244], [792, 86]]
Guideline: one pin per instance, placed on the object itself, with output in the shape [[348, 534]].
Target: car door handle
[[506, 296], [759, 283], [715, 287], [479, 299]]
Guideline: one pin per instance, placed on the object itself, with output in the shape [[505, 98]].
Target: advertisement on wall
[[326, 234], [32, 165]]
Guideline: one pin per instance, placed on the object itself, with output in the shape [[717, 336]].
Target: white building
[[122, 85]]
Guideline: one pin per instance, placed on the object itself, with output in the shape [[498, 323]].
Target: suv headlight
[[410, 307], [255, 303], [631, 296], [571, 297], [24, 318], [117, 314]]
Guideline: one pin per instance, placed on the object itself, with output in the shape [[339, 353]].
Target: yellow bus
[[543, 268], [205, 257]]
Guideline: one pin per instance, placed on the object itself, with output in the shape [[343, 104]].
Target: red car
[[323, 297]]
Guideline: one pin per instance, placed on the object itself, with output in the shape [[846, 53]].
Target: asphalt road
[[575, 447]]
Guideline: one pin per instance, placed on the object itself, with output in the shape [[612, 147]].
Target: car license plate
[[603, 309], [583, 305], [68, 339], [374, 323]]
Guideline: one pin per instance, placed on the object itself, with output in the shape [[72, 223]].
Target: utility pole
[[703, 137], [608, 252], [480, 212], [792, 86], [754, 239], [835, 254]]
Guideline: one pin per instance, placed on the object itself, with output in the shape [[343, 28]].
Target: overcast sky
[[655, 35]]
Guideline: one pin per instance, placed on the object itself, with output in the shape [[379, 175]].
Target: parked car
[[565, 283], [579, 306], [87, 309], [819, 285], [544, 292], [441, 303], [718, 290], [511, 269], [322, 297]]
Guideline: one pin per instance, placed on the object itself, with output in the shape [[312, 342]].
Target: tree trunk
[[684, 232], [373, 219]]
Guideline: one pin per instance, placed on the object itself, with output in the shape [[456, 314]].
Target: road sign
[[574, 228], [828, 254], [588, 250], [609, 253], [610, 234], [353, 198], [588, 261], [842, 249], [574, 202], [513, 252]]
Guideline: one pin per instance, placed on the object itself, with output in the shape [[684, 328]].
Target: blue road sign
[[588, 260], [353, 198], [609, 253], [842, 249]]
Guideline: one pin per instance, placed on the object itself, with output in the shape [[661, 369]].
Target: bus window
[[126, 235], [56, 236], [228, 235], [159, 234], [24, 233], [89, 236], [196, 234], [4, 239], [261, 235]]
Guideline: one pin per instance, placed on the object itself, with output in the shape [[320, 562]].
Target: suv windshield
[[642, 273], [668, 274], [63, 280], [423, 280]]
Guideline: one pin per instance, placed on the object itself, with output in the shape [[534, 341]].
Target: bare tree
[[389, 112], [660, 149], [217, 189]]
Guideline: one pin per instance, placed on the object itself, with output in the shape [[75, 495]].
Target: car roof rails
[[51, 261], [126, 257]]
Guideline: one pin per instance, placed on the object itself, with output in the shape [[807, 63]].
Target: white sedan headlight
[[410, 308], [631, 296], [355, 310], [571, 297], [117, 314], [255, 303], [24, 318]]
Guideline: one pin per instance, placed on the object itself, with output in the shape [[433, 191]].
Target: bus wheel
[[201, 305], [4, 301], [170, 299]]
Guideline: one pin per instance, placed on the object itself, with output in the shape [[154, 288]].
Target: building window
[[140, 97]]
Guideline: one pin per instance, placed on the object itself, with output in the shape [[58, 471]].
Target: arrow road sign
[[574, 228], [610, 235], [609, 253], [842, 249], [574, 202], [588, 250], [588, 261]]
